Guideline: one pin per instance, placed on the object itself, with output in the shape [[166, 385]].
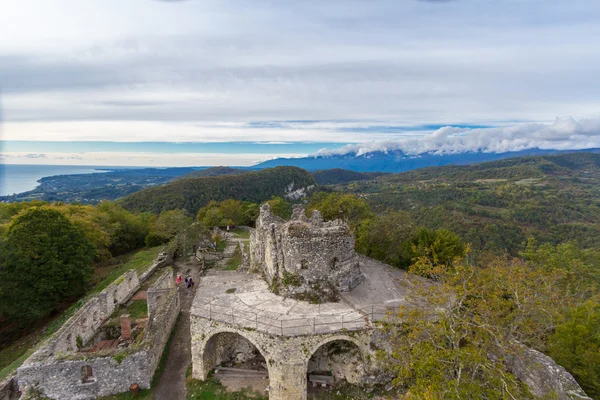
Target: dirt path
[[171, 384]]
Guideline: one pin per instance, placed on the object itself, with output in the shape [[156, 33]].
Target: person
[[178, 279], [188, 283]]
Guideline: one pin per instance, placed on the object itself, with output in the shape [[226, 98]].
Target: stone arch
[[347, 365], [209, 353]]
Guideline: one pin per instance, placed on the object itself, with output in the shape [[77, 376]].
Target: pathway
[[171, 384]]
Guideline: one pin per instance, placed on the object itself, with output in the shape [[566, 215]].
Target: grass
[[12, 356], [221, 245], [235, 261], [242, 233], [344, 391], [211, 389], [145, 394], [140, 261], [137, 309]]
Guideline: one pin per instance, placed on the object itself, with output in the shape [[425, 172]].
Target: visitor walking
[[188, 284], [178, 279]]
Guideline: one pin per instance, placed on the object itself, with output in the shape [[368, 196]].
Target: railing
[[279, 324]]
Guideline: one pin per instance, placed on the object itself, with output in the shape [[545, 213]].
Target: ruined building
[[99, 352], [260, 319], [305, 258]]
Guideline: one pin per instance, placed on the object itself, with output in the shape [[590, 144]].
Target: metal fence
[[279, 324]]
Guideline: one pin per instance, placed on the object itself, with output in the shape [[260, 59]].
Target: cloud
[[563, 134], [337, 60], [35, 156]]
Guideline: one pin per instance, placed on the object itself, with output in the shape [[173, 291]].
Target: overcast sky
[[336, 71]]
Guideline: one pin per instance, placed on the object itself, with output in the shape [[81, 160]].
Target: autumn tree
[[455, 334]]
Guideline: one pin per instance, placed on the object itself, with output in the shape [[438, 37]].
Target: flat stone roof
[[244, 300]]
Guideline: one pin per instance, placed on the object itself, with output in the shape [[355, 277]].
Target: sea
[[16, 178]]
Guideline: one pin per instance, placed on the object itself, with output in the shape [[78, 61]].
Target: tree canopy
[[46, 259]]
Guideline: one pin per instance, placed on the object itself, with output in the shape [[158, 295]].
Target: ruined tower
[[305, 258]]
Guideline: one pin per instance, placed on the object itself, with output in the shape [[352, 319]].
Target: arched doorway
[[236, 362], [333, 364]]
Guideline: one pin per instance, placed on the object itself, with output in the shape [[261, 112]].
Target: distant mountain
[[193, 193], [497, 206], [397, 161], [336, 176]]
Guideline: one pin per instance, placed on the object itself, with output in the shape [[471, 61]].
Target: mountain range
[[398, 161]]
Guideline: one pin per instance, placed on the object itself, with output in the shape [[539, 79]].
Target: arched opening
[[334, 365], [237, 363], [87, 374]]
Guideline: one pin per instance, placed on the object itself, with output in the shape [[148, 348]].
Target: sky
[[224, 82]]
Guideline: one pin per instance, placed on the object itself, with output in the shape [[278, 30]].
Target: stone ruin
[[240, 316], [305, 258], [88, 357]]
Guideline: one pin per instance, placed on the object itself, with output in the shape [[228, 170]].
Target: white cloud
[[563, 134], [195, 62]]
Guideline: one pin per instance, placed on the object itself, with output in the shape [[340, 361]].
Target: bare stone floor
[[244, 300]]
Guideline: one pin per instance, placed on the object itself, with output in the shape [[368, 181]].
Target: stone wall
[[60, 372], [85, 322], [120, 291], [64, 379], [287, 358], [9, 390], [162, 260], [158, 294], [304, 256], [160, 324]]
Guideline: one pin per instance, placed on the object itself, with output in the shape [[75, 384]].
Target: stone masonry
[[306, 258], [287, 358], [234, 312], [59, 370]]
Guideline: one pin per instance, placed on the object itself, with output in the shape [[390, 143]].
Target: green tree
[[575, 345], [432, 250], [280, 207], [127, 231], [455, 334], [347, 207], [46, 260], [168, 225], [387, 238]]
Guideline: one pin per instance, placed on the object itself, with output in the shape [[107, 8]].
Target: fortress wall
[[58, 370], [120, 291], [159, 293], [160, 324], [161, 261], [67, 379]]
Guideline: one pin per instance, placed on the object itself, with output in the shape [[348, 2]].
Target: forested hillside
[[497, 205], [193, 193], [338, 175], [214, 171]]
